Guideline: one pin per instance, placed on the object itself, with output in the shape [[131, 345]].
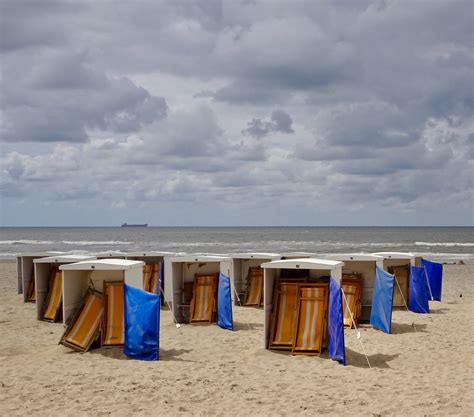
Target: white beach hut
[[180, 272], [78, 277], [241, 264], [313, 268], [398, 264], [363, 264], [43, 267], [151, 257], [25, 267]]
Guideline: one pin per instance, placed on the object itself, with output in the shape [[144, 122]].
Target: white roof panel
[[110, 254], [297, 254], [256, 255], [304, 263], [199, 258], [103, 264], [150, 253], [355, 257], [395, 255], [42, 254], [63, 259]]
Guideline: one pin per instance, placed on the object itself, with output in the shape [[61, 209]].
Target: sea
[[445, 244]]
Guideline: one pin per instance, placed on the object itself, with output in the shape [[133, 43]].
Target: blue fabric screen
[[434, 271], [336, 347], [419, 293], [162, 282], [382, 301], [142, 324], [224, 303]]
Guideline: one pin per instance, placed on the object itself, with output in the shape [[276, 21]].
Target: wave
[[95, 242], [25, 242], [449, 244]]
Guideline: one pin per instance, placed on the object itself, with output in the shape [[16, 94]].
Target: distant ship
[[135, 225]]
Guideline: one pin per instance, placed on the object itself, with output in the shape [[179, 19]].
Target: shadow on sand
[[359, 360], [401, 328], [247, 326]]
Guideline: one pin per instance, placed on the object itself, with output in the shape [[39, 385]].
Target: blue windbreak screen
[[419, 293], [382, 302], [142, 324], [224, 303], [434, 271], [336, 347]]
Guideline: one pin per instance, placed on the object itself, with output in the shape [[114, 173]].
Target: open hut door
[[203, 307], [402, 275], [419, 292], [142, 324], [381, 314], [224, 303], [283, 315], [434, 271]]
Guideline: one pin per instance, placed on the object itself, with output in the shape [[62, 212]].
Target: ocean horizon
[[442, 243]]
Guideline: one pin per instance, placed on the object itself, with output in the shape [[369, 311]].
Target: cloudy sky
[[237, 112]]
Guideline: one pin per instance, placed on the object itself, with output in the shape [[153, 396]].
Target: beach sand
[[205, 370]]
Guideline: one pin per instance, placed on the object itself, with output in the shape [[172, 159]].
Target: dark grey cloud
[[280, 121], [167, 102]]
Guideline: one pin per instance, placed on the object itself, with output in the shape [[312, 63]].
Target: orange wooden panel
[[147, 273], [352, 287], [113, 314], [31, 290], [312, 307], [53, 300], [284, 315], [254, 291], [203, 303], [155, 278], [84, 329]]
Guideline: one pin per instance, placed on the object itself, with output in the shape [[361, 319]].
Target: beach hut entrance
[[402, 276], [298, 321], [352, 286]]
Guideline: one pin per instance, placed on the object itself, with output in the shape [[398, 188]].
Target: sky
[[239, 113]]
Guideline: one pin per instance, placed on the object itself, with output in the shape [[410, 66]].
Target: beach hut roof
[[396, 255], [199, 258], [355, 257], [304, 263], [284, 254], [103, 264], [256, 255], [111, 253], [43, 253], [150, 253], [63, 259]]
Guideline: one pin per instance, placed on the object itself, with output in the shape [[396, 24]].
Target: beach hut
[[153, 271], [358, 267], [25, 269], [398, 264], [194, 285], [296, 304], [79, 277], [247, 277], [48, 286]]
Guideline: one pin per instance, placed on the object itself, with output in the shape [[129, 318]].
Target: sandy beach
[[422, 370]]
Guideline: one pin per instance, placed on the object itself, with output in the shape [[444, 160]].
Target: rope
[[354, 324], [428, 283], [403, 298]]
